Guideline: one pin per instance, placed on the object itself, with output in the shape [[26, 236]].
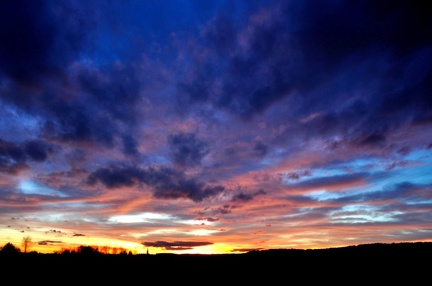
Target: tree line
[[26, 243]]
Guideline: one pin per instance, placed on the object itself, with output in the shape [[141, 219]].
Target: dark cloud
[[225, 209], [40, 60], [98, 113], [246, 249], [242, 197], [260, 149], [116, 177], [78, 234], [14, 156], [297, 175], [54, 231], [49, 242], [397, 164], [330, 182], [166, 183], [209, 219], [39, 38], [27, 37], [186, 149], [176, 245], [37, 150], [129, 145], [404, 151], [314, 57], [250, 76], [113, 89], [11, 151], [372, 139], [221, 34], [331, 33]]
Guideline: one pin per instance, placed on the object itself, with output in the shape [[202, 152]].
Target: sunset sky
[[210, 126]]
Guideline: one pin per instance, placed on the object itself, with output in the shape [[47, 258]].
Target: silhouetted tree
[[26, 243], [9, 248], [104, 249], [65, 251], [87, 250]]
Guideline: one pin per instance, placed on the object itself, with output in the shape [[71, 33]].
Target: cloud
[[129, 145], [246, 249], [49, 242], [14, 156], [403, 192], [260, 149], [37, 150], [225, 209], [11, 151], [115, 177], [315, 58], [186, 149], [176, 245], [40, 38], [297, 174], [335, 182], [56, 232], [242, 197], [166, 183], [78, 234], [42, 74]]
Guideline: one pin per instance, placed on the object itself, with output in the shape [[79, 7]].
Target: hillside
[[363, 262]]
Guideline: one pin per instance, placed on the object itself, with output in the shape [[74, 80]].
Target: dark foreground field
[[402, 263]]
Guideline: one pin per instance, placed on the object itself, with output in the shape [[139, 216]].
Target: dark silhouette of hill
[[375, 250], [9, 249], [395, 262]]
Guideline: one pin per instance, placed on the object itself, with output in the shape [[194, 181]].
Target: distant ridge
[[403, 247]]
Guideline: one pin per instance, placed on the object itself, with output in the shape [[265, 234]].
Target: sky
[[212, 126]]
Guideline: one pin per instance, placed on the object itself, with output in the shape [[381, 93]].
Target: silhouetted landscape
[[407, 263], [369, 257], [248, 127]]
